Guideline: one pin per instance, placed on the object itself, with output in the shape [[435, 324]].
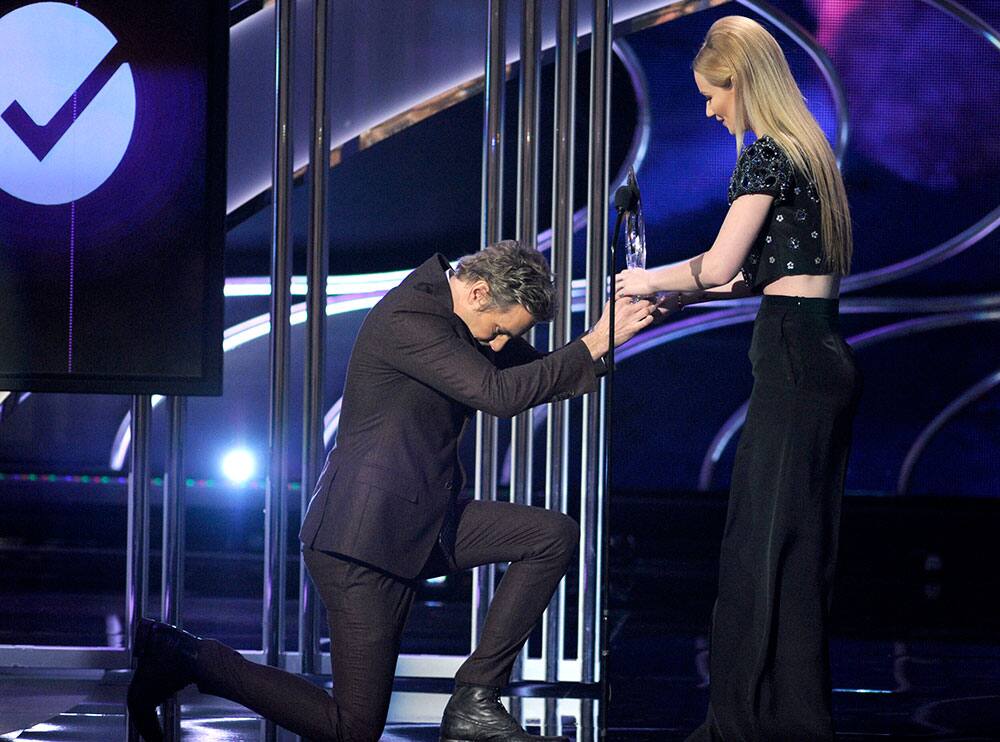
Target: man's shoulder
[[412, 298], [425, 290]]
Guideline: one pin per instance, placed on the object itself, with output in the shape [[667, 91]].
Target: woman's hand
[[634, 282], [667, 303]]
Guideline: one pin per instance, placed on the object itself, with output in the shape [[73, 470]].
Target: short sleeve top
[[790, 242]]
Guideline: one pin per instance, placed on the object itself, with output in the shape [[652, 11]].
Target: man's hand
[[629, 319], [634, 282]]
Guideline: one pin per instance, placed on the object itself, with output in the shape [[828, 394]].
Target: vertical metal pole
[[527, 211], [172, 582], [557, 433], [317, 270], [137, 539], [527, 230], [592, 489], [276, 501], [486, 425], [588, 722]]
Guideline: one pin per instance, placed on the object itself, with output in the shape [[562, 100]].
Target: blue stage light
[[239, 465]]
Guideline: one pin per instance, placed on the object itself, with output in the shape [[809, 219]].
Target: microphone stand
[[605, 579]]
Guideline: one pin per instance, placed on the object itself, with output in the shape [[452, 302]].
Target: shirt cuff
[[601, 366]]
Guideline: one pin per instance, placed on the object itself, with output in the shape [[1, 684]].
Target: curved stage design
[[253, 33], [413, 85], [733, 313], [888, 314]]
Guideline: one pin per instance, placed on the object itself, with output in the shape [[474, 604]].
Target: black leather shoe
[[166, 661], [475, 714]]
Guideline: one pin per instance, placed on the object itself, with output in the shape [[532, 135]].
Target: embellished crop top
[[790, 242]]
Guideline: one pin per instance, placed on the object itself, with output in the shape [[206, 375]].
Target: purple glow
[[921, 88], [831, 16]]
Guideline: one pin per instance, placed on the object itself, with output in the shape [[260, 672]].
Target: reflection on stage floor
[[884, 690], [914, 653], [89, 706]]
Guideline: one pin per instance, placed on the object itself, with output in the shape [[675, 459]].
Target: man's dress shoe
[[475, 714], [166, 661]]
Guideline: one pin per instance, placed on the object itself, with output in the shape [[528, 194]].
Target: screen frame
[[209, 382]]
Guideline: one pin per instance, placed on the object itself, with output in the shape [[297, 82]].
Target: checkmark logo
[[41, 139], [67, 103]]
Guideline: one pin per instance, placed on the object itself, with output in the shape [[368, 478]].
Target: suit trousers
[[367, 610], [768, 662]]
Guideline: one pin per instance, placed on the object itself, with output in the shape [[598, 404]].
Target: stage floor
[[884, 690], [916, 690], [915, 651], [92, 709]]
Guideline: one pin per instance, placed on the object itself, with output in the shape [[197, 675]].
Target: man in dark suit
[[386, 515]]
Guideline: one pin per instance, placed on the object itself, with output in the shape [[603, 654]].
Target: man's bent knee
[[565, 535]]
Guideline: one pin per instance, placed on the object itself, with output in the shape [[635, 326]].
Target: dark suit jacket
[[415, 377]]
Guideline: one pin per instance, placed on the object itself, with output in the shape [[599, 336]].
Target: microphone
[[627, 195], [626, 198]]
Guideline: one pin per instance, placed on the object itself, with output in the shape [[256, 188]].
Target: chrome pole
[[527, 231], [137, 538], [588, 730], [490, 226], [527, 213], [276, 500], [172, 582], [592, 468], [557, 432], [317, 271]]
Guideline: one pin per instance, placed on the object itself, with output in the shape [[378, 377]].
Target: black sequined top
[[790, 242]]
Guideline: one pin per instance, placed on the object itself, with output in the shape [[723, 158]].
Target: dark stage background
[[919, 555]]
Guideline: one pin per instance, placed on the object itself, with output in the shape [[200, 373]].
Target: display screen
[[112, 195]]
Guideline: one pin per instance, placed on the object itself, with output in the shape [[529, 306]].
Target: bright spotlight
[[238, 465]]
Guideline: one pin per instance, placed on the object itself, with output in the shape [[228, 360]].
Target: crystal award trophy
[[635, 230]]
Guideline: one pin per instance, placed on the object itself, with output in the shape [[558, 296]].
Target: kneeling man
[[386, 512]]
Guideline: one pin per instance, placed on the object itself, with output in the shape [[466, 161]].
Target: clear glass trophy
[[635, 231]]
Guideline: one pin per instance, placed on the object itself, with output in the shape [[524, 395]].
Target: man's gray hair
[[516, 275]]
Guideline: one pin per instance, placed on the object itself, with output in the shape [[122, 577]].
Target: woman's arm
[[714, 268], [735, 289], [671, 302]]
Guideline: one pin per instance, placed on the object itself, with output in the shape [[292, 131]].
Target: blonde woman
[[787, 235]]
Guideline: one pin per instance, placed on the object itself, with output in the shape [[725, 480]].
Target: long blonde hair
[[739, 53]]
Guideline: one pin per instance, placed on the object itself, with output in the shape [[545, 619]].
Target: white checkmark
[[46, 51]]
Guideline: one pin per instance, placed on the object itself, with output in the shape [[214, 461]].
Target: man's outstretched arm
[[424, 345]]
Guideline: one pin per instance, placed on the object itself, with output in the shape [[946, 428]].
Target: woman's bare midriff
[[818, 287]]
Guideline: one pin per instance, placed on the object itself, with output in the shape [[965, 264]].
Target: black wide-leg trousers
[[367, 610], [769, 661]]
